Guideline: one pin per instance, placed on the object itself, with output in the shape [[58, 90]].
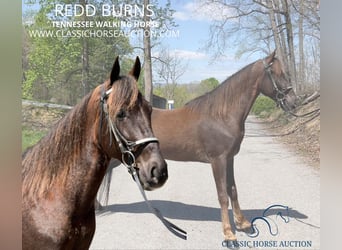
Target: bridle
[[127, 149], [280, 92]]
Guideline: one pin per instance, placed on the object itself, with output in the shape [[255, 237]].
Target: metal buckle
[[280, 96], [128, 159]]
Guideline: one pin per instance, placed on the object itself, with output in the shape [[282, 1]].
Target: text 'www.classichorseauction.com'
[[100, 29], [65, 23]]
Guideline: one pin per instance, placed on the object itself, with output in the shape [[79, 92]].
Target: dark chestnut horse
[[62, 173], [211, 127]]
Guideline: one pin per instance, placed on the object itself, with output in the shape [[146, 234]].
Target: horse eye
[[121, 115]]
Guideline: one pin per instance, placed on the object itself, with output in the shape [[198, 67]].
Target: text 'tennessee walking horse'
[[211, 127], [62, 173]]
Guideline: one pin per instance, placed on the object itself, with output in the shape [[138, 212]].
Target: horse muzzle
[[154, 175]]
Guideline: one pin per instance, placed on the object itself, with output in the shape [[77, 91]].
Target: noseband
[[126, 146], [280, 93]]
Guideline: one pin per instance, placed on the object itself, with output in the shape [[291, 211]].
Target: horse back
[[186, 135]]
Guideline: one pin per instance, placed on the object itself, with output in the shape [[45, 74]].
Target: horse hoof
[[230, 244], [230, 237], [248, 230], [244, 226]]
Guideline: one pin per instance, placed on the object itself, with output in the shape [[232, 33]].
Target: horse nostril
[[158, 174], [154, 172]]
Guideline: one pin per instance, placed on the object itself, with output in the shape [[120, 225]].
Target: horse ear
[[135, 71], [271, 57], [114, 75]]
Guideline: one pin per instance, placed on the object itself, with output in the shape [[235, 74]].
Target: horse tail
[[103, 193]]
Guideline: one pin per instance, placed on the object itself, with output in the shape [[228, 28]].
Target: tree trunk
[[85, 67], [283, 43], [301, 70], [276, 34], [289, 33], [147, 58], [85, 58]]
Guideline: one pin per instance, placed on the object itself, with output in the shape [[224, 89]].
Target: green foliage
[[30, 137], [181, 96], [208, 85], [54, 65], [183, 93], [263, 106]]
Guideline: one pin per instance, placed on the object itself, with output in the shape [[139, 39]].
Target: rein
[[128, 159], [170, 226]]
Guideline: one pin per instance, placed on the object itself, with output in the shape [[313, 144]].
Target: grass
[[30, 137]]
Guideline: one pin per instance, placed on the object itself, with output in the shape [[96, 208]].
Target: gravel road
[[267, 174]]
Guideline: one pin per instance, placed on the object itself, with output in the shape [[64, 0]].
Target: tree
[[276, 10], [207, 85], [183, 93], [260, 26], [169, 68], [85, 56], [147, 56], [308, 20], [278, 37], [301, 63], [289, 32], [56, 65], [156, 14]]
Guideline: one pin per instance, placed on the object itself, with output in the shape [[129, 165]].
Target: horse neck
[[93, 158], [239, 93]]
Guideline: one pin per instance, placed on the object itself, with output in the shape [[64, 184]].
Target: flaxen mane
[[221, 100]]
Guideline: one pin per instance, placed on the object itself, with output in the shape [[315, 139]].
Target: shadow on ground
[[182, 211]]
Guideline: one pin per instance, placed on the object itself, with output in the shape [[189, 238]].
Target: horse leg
[[219, 172], [241, 222]]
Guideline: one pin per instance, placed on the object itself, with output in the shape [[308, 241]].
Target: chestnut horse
[[62, 173], [211, 127]]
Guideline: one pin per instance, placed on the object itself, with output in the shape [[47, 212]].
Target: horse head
[[129, 121], [276, 85]]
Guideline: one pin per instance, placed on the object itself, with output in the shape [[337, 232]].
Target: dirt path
[[267, 173]]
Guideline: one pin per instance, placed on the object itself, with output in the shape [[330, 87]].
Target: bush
[[263, 106]]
